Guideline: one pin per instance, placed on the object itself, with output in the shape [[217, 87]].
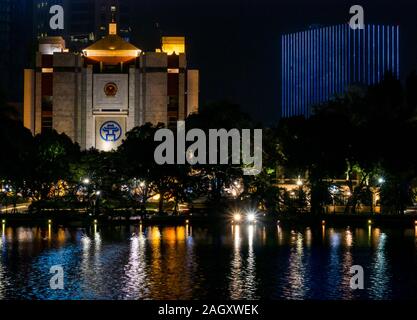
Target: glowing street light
[[251, 217], [237, 217], [333, 190], [381, 180], [98, 193], [86, 181]]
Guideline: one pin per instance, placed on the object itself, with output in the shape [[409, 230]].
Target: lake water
[[190, 262]]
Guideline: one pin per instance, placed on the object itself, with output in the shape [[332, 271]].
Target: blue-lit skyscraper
[[320, 63]]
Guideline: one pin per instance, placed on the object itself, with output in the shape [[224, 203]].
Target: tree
[[214, 178], [53, 154]]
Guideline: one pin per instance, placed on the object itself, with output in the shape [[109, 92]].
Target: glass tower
[[321, 63]]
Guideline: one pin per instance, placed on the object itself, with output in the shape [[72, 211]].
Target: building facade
[[320, 63], [96, 96]]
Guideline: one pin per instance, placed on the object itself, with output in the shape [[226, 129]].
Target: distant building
[[319, 63], [86, 21], [98, 95]]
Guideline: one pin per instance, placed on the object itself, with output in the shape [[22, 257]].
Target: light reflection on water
[[243, 265], [296, 273], [190, 262]]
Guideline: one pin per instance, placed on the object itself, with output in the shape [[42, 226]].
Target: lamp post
[[300, 189], [333, 191], [98, 193], [86, 183], [381, 181]]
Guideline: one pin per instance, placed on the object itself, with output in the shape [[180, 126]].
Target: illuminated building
[[321, 63], [98, 95]]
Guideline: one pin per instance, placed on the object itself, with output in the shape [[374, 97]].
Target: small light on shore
[[278, 222], [187, 221], [49, 221], [95, 221], [251, 217], [415, 222], [323, 221], [3, 221], [237, 217], [369, 221]]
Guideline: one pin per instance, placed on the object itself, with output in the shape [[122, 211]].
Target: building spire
[[113, 24]]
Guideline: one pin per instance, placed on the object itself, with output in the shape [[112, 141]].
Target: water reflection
[[135, 284], [380, 274], [296, 274], [347, 263], [189, 262], [3, 279], [243, 265], [334, 264]]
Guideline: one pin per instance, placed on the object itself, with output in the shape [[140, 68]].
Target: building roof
[[112, 49], [112, 42]]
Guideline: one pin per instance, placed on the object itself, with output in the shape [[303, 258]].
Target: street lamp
[[333, 190], [86, 181], [381, 180], [98, 193], [237, 217], [300, 189], [251, 217]]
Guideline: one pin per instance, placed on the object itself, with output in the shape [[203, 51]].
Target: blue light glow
[[320, 63]]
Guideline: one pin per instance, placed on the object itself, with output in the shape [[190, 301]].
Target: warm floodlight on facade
[[171, 45]]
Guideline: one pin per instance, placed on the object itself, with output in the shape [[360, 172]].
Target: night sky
[[236, 44]]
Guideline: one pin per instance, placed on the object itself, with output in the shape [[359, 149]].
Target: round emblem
[[110, 89], [110, 131]]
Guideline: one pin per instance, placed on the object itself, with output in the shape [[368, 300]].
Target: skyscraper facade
[[320, 63]]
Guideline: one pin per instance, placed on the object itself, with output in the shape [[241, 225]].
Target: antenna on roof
[[113, 25], [113, 13]]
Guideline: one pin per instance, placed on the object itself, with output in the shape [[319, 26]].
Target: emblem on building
[[110, 131], [110, 89]]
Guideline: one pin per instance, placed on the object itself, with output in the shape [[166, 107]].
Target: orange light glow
[[171, 45]]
